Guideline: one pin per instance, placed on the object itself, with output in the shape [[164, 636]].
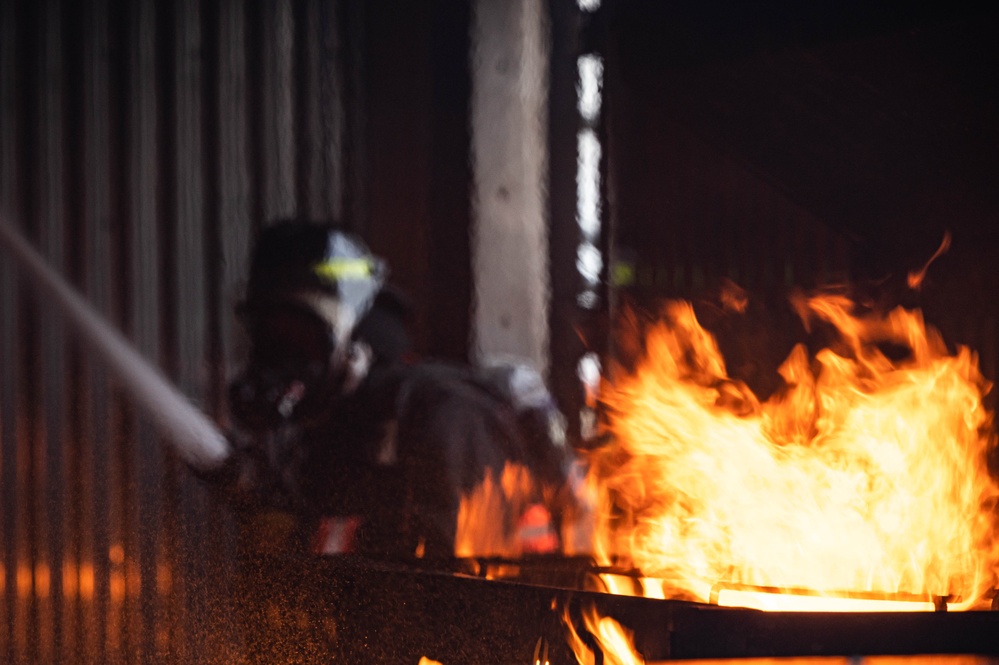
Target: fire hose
[[193, 435]]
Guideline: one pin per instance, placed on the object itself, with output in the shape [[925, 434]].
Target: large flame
[[865, 478]]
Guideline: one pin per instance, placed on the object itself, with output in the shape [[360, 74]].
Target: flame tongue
[[867, 474]]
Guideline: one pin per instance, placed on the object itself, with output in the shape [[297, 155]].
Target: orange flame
[[613, 640], [488, 515], [915, 277], [865, 477]]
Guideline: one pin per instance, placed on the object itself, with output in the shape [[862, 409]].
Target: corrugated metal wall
[[141, 143]]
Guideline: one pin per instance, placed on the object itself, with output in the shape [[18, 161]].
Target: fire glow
[[863, 482]]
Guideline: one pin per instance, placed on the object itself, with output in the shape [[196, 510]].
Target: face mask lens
[[291, 342]]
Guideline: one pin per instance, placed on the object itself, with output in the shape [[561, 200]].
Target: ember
[[864, 482]]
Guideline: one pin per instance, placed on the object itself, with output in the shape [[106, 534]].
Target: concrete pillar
[[509, 116]]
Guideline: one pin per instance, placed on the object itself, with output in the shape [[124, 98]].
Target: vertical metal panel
[[49, 483], [27, 401], [135, 67], [279, 174], [129, 156], [449, 264], [234, 189], [570, 329], [353, 161], [319, 109], [8, 348], [397, 133], [105, 223]]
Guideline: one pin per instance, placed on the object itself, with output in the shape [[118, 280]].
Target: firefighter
[[371, 453]]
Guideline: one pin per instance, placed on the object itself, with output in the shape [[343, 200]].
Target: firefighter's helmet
[[295, 259]]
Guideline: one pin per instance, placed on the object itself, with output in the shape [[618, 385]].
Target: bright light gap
[[589, 260], [589, 88]]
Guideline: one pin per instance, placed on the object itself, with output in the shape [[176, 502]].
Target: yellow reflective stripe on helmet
[[334, 269]]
